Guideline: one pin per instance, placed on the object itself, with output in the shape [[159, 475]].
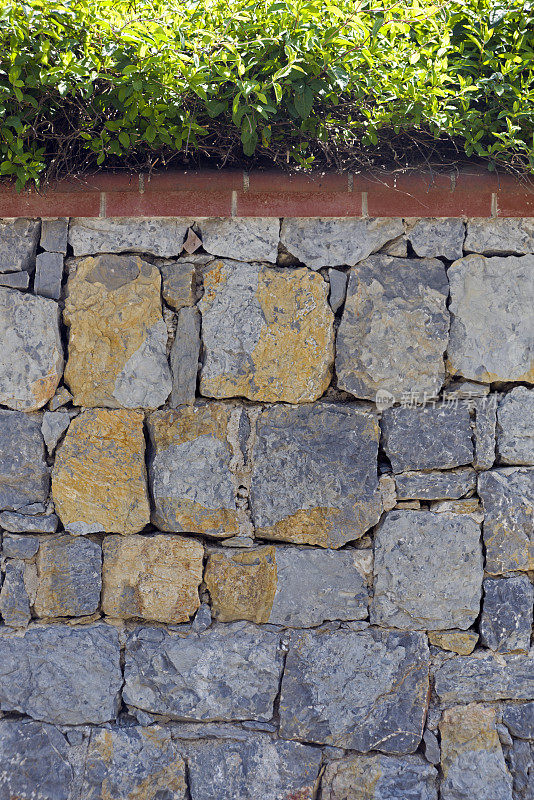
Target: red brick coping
[[228, 193]]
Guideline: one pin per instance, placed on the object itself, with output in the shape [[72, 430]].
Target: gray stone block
[[14, 601], [18, 244], [24, 475], [521, 764], [500, 236], [519, 719], [436, 485], [15, 280], [338, 288], [19, 546], [485, 677], [48, 275], [379, 777], [69, 577], [54, 425], [184, 357], [243, 239], [178, 284], [160, 236], [28, 523], [54, 234], [485, 411], [515, 433], [506, 621], [432, 238]]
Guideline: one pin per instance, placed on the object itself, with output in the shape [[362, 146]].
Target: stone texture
[[152, 577], [184, 357], [500, 236], [506, 621], [434, 238], [190, 446], [61, 674], [484, 676], [267, 333], [54, 234], [15, 280], [515, 438], [245, 239], [461, 642], [61, 398], [428, 571], [435, 485], [178, 284], [31, 359], [160, 236], [228, 672], [69, 579], [431, 747], [327, 492], [99, 480], [28, 523], [379, 777], [472, 760], [338, 288], [48, 275], [394, 328], [508, 499], [388, 491], [491, 312], [54, 425], [335, 242], [297, 587], [117, 337], [521, 764], [24, 475], [19, 546], [361, 690], [18, 244], [485, 410], [519, 719], [14, 601]]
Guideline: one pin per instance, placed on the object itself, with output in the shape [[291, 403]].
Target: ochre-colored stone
[[461, 642], [99, 476], [153, 577], [242, 586]]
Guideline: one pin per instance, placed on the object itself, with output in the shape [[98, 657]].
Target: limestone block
[[14, 601], [24, 475], [54, 233], [520, 759], [515, 435], [15, 280], [485, 676], [519, 719], [19, 546], [178, 284], [117, 338], [267, 333], [434, 238], [184, 357], [461, 642], [506, 621], [18, 243], [69, 579], [160, 236], [485, 410], [434, 485], [500, 236], [99, 477], [48, 275], [28, 523], [243, 239], [379, 777]]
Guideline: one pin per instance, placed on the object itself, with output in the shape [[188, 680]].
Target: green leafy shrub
[[145, 84]]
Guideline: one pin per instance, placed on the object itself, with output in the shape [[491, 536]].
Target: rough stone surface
[[15, 280], [333, 691], [69, 580], [228, 672], [48, 275], [60, 674], [521, 764], [506, 621], [327, 492], [178, 284], [519, 719], [185, 353], [500, 236], [335, 242], [99, 479], [461, 642], [28, 523], [472, 760], [54, 234], [484, 676], [435, 485], [152, 577], [117, 337], [61, 398], [31, 358], [394, 329], [427, 438], [19, 546], [508, 499], [379, 778], [434, 238], [54, 425], [250, 239], [485, 410], [267, 333], [428, 571], [14, 601], [338, 288], [431, 747], [491, 312], [515, 438], [24, 475], [160, 236], [18, 244]]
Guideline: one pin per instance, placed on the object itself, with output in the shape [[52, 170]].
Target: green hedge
[[146, 84]]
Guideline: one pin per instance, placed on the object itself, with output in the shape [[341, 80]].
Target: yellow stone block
[[243, 586]]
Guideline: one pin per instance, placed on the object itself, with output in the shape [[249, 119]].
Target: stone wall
[[266, 508]]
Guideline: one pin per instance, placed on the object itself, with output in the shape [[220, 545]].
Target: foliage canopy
[[309, 83]]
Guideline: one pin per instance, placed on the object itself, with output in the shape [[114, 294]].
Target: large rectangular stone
[[24, 474], [18, 244], [68, 577], [243, 239], [486, 677], [515, 432], [48, 275], [160, 236], [500, 236], [435, 485], [54, 233], [379, 777], [184, 357]]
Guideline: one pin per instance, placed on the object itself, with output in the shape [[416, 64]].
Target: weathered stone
[[335, 242], [24, 475], [428, 571], [192, 242], [133, 764], [267, 333], [288, 586], [388, 492], [519, 719], [99, 478], [256, 769], [160, 236], [460, 389], [515, 438], [394, 329], [185, 353], [461, 642], [508, 499], [469, 506], [69, 579], [54, 425], [117, 339], [19, 546], [48, 275], [14, 601], [484, 425], [61, 398], [153, 577], [435, 485], [379, 778], [472, 760], [521, 764], [485, 676], [327, 492], [338, 288], [28, 523], [54, 234], [362, 690], [434, 238], [202, 619], [178, 284], [500, 236], [431, 747], [31, 358], [491, 313], [506, 621], [190, 446], [228, 672], [396, 247], [18, 243], [244, 239], [427, 438], [15, 280], [61, 674]]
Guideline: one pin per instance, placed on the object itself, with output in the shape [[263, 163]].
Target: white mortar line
[[102, 212]]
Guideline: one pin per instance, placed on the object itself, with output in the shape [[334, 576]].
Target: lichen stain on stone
[[243, 585], [314, 526], [191, 517]]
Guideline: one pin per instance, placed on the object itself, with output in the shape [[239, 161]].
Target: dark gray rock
[[15, 280], [485, 421], [24, 475], [14, 601], [48, 275], [427, 438], [20, 546], [18, 243], [436, 485], [485, 677], [184, 357], [178, 284], [202, 619], [61, 674], [432, 238], [519, 719], [338, 288], [379, 777], [69, 577], [228, 672], [361, 690], [521, 764], [506, 621], [14, 522], [515, 435], [54, 234], [431, 747]]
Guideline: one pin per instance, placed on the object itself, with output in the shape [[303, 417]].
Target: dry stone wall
[[266, 509]]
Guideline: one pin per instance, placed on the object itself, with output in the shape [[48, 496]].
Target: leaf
[[304, 102]]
